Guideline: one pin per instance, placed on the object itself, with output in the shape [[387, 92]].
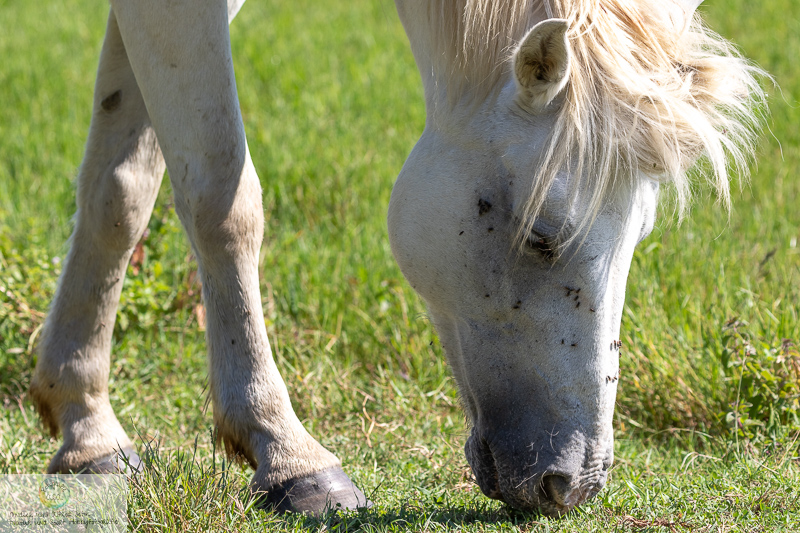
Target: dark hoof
[[124, 461], [316, 493]]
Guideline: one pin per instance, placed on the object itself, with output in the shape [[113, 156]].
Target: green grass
[[332, 105]]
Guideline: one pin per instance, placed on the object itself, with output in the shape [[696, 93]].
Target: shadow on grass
[[419, 517], [178, 487]]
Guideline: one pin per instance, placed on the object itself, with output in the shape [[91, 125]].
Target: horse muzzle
[[545, 480]]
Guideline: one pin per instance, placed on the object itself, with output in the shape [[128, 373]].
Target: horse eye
[[546, 246]]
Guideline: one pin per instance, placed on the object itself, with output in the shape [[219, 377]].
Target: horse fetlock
[[95, 458], [123, 460], [91, 431], [90, 440], [279, 454], [55, 399], [42, 405], [69, 389]]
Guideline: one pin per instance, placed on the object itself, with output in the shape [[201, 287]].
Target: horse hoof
[[125, 461], [316, 493]]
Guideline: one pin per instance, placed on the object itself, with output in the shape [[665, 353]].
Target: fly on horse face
[[550, 125]]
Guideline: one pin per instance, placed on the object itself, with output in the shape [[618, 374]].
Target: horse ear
[[689, 5], [681, 12], [541, 64]]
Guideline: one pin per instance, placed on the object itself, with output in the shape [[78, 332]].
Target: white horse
[[549, 125]]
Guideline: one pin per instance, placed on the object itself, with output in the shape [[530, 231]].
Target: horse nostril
[[557, 489]]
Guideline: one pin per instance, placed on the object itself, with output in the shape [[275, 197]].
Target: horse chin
[[480, 459]]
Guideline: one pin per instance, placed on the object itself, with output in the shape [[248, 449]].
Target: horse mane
[[644, 97]]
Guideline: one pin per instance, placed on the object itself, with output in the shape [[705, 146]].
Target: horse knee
[[222, 210], [115, 199]]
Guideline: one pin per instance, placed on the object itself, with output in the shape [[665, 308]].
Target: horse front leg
[[181, 56], [117, 186]]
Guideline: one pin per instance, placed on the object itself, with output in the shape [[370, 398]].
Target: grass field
[[707, 413]]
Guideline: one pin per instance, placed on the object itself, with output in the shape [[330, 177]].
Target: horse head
[[521, 248]]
